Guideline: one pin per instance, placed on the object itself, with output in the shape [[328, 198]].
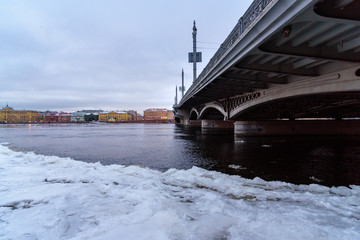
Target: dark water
[[323, 160]]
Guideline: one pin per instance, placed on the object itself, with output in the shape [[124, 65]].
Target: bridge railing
[[244, 22]]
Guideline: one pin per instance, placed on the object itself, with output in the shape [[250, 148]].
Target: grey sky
[[89, 54]]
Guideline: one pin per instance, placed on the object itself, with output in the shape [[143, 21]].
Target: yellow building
[[158, 114], [114, 116], [9, 115], [170, 115]]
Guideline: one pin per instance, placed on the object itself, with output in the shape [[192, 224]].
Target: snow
[[48, 197]]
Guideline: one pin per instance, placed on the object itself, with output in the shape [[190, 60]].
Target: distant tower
[[182, 84], [194, 51], [176, 97]]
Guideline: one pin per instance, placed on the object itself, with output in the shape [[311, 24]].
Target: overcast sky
[[113, 55]]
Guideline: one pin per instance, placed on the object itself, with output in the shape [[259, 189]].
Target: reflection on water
[[324, 160], [327, 160]]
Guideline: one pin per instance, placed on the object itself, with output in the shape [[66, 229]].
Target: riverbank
[[129, 121]]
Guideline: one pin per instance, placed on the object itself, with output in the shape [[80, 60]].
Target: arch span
[[336, 95], [193, 114], [212, 111], [177, 120]]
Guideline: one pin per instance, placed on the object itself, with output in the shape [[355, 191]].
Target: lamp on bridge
[[194, 56]]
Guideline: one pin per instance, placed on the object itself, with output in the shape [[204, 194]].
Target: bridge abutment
[[297, 127]]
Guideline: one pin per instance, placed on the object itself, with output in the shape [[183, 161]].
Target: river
[[330, 160]]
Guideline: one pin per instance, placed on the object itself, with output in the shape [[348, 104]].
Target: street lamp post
[[194, 56], [194, 51]]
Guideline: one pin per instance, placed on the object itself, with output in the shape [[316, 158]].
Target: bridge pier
[[192, 123], [217, 126], [297, 127]]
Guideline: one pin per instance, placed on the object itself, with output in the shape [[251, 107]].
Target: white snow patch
[[44, 196]]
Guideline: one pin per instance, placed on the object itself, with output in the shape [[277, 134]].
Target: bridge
[[283, 60]]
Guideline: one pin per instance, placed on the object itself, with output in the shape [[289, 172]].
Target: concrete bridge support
[[181, 117], [297, 127], [217, 126], [192, 123]]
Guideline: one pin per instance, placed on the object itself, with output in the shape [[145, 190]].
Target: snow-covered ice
[[48, 197]]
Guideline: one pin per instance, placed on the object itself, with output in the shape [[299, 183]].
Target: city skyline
[[7, 106], [8, 115], [79, 55]]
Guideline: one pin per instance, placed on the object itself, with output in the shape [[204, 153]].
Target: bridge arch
[[193, 114], [212, 111], [318, 97], [178, 119]]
